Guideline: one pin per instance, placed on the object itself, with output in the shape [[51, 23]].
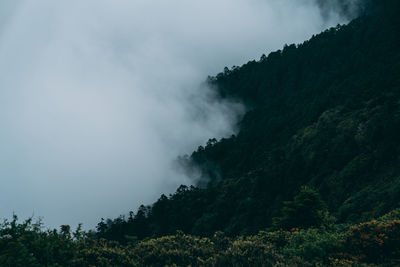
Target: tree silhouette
[[306, 210]]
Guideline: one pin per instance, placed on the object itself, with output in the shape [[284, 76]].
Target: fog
[[98, 97]]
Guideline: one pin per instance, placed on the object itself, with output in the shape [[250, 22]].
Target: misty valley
[[120, 147]]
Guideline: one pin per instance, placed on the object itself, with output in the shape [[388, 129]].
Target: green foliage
[[312, 245], [373, 243], [103, 253], [26, 244], [306, 210], [248, 252], [179, 249]]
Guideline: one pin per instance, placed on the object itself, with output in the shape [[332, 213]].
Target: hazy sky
[[98, 97]]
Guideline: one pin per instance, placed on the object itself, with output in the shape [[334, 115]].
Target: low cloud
[[98, 97]]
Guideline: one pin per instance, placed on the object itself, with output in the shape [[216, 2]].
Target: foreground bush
[[373, 243]]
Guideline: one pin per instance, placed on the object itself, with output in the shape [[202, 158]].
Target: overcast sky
[[98, 97]]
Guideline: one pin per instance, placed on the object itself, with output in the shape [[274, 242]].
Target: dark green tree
[[306, 210]]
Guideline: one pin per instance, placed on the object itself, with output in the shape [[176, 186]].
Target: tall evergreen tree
[[306, 210]]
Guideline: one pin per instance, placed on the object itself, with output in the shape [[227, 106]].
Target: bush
[[179, 249], [373, 242], [306, 210]]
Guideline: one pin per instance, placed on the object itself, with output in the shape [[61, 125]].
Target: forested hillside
[[325, 113], [312, 177]]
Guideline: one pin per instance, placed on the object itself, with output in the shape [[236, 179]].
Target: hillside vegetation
[[323, 114]]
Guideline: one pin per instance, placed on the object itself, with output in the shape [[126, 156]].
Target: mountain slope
[[325, 114]]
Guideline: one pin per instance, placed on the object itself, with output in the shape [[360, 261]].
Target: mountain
[[311, 179], [324, 114]]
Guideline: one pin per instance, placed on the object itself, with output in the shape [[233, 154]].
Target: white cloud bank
[[97, 97]]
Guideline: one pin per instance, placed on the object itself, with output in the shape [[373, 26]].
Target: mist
[[99, 97]]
